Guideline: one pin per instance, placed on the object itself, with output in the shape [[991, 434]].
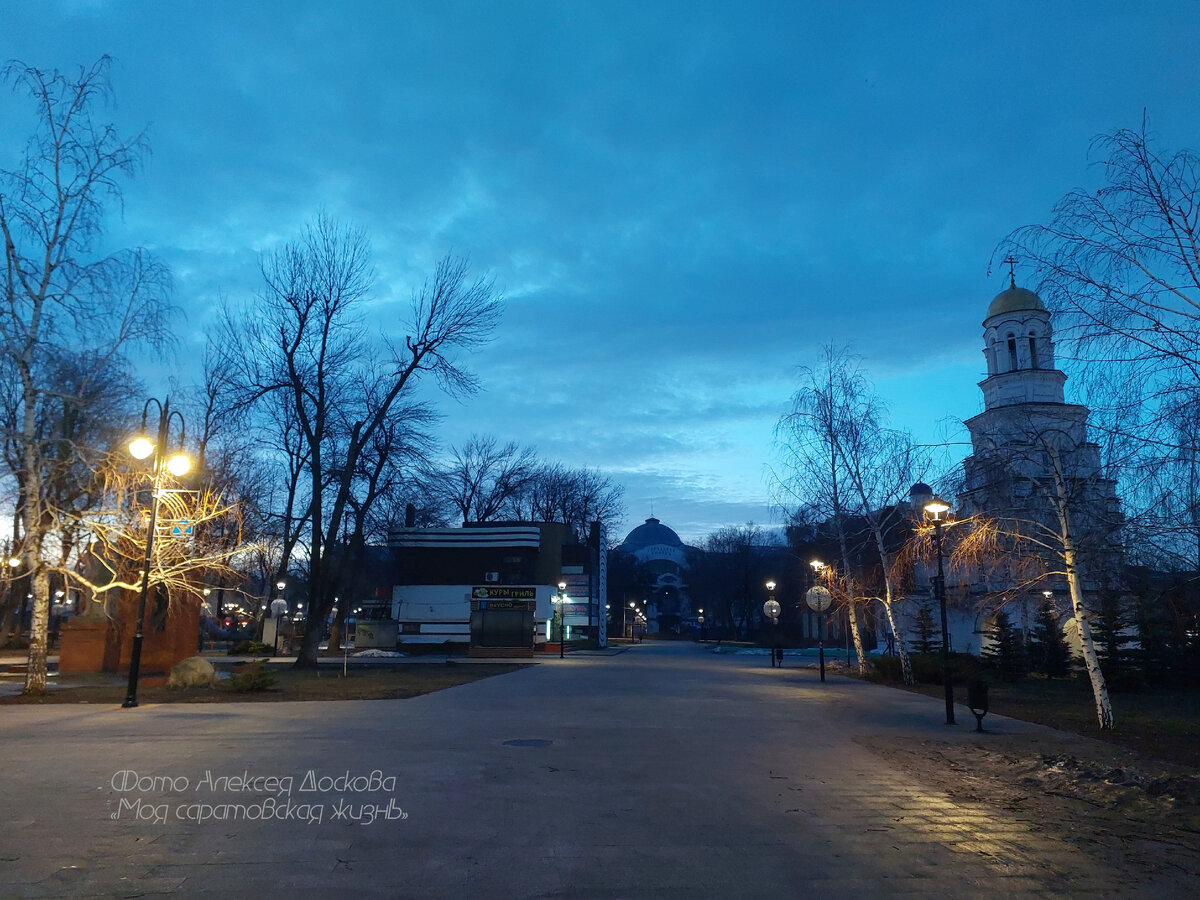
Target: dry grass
[[1159, 722], [325, 683]]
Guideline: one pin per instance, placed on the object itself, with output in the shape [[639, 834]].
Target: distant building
[[442, 575], [659, 548]]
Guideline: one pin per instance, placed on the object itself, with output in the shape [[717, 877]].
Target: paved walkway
[[664, 772]]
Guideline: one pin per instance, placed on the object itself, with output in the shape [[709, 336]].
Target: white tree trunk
[[1091, 662], [39, 630], [905, 661], [858, 647]]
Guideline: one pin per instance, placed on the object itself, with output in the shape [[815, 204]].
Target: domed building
[[659, 548]]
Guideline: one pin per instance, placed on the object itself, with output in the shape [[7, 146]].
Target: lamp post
[[819, 599], [562, 620], [278, 611], [177, 465], [771, 608], [937, 509]]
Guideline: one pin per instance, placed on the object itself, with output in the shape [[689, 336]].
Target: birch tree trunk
[[858, 647], [852, 613], [1091, 661], [901, 650]]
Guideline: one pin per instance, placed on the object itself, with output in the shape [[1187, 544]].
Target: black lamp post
[[937, 510], [820, 600], [177, 465], [771, 608]]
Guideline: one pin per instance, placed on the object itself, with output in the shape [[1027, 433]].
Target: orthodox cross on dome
[[1011, 261]]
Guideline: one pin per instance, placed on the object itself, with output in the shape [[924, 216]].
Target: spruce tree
[[926, 637], [1049, 648], [1152, 658], [1112, 644], [1005, 652]]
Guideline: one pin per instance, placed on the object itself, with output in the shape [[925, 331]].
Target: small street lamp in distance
[[562, 620], [937, 511]]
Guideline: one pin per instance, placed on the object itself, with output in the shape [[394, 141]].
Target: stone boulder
[[195, 671]]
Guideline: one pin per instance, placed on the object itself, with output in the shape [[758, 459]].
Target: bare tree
[[484, 477], [59, 297], [1120, 269], [116, 556], [575, 497], [880, 465], [1048, 513], [813, 471], [307, 341], [728, 576]]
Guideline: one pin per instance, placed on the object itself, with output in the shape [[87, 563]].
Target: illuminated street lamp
[[177, 465], [771, 609], [562, 620], [937, 510], [819, 600]]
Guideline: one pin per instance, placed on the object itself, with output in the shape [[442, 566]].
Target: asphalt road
[[663, 771]]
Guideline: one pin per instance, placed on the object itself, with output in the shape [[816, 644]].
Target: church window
[[1033, 360], [1012, 353]]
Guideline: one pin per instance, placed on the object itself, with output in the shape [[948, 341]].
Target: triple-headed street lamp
[[938, 510], [177, 465]]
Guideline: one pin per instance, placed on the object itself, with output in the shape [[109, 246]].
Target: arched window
[[1033, 359], [1012, 353]]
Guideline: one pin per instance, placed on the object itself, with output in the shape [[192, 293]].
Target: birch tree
[[1044, 523], [880, 465], [60, 295], [1119, 266], [813, 471]]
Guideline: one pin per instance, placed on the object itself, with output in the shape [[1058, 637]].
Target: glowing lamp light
[[178, 465], [937, 508], [13, 562], [140, 448], [770, 585]]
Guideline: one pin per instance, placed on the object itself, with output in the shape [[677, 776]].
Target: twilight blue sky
[[681, 200]]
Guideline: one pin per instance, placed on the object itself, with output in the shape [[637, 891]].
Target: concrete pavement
[[665, 771]]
